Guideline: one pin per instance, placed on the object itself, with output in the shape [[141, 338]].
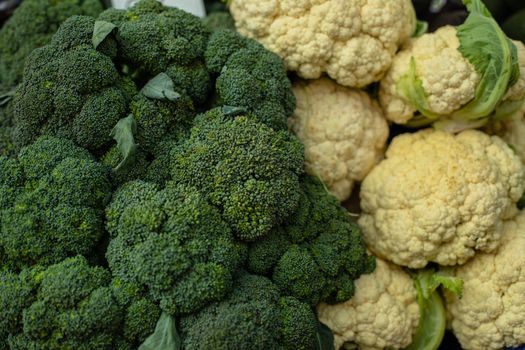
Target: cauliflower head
[[383, 312], [448, 79], [353, 41], [491, 313], [512, 131], [343, 130], [440, 197]]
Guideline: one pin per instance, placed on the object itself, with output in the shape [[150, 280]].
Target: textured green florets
[[52, 201], [71, 90], [31, 26], [317, 254], [253, 316], [244, 167], [174, 243]]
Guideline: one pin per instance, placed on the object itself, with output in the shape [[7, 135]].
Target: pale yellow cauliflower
[[383, 313], [353, 41], [343, 131], [512, 131], [439, 197], [491, 313], [448, 79]]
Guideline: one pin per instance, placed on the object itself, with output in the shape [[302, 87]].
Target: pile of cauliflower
[[439, 193]]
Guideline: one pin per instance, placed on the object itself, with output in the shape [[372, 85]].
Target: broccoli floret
[[244, 167], [174, 243], [31, 26], [66, 306], [154, 37], [250, 76], [7, 147], [317, 254], [71, 90], [253, 316], [52, 200], [219, 20]]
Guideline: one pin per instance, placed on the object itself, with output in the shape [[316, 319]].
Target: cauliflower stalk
[[491, 313], [392, 309], [439, 197], [352, 41], [511, 131], [343, 130], [457, 77]]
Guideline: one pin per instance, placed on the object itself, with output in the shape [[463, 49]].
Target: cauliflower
[[383, 312], [456, 77], [343, 130], [512, 131], [439, 197], [353, 41], [491, 313]]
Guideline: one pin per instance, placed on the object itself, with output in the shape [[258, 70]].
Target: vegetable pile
[[299, 176]]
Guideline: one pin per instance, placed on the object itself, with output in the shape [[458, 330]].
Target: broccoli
[[219, 20], [154, 39], [71, 90], [51, 203], [6, 124], [253, 316], [71, 305], [172, 242], [250, 76], [244, 167], [31, 26], [317, 254]]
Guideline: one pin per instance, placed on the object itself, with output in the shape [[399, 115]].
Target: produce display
[[309, 175]]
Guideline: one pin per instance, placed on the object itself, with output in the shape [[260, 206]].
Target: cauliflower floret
[[512, 131], [343, 130], [439, 197], [383, 313], [491, 313], [353, 41], [448, 78]]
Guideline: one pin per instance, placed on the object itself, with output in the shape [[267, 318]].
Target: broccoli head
[[250, 76], [253, 316], [31, 26], [317, 254], [52, 202], [172, 242], [72, 90], [67, 305], [219, 20], [7, 147], [244, 167], [154, 38]]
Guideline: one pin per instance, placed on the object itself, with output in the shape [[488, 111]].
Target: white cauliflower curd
[[343, 131], [353, 41], [383, 313], [439, 197], [491, 313]]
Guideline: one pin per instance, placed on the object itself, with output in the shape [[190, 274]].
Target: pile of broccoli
[[154, 195]]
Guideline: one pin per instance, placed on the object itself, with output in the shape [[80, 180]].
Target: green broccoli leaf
[[324, 338], [492, 54], [421, 28], [123, 133], [165, 336], [7, 96], [231, 111], [432, 321], [161, 88], [102, 30]]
